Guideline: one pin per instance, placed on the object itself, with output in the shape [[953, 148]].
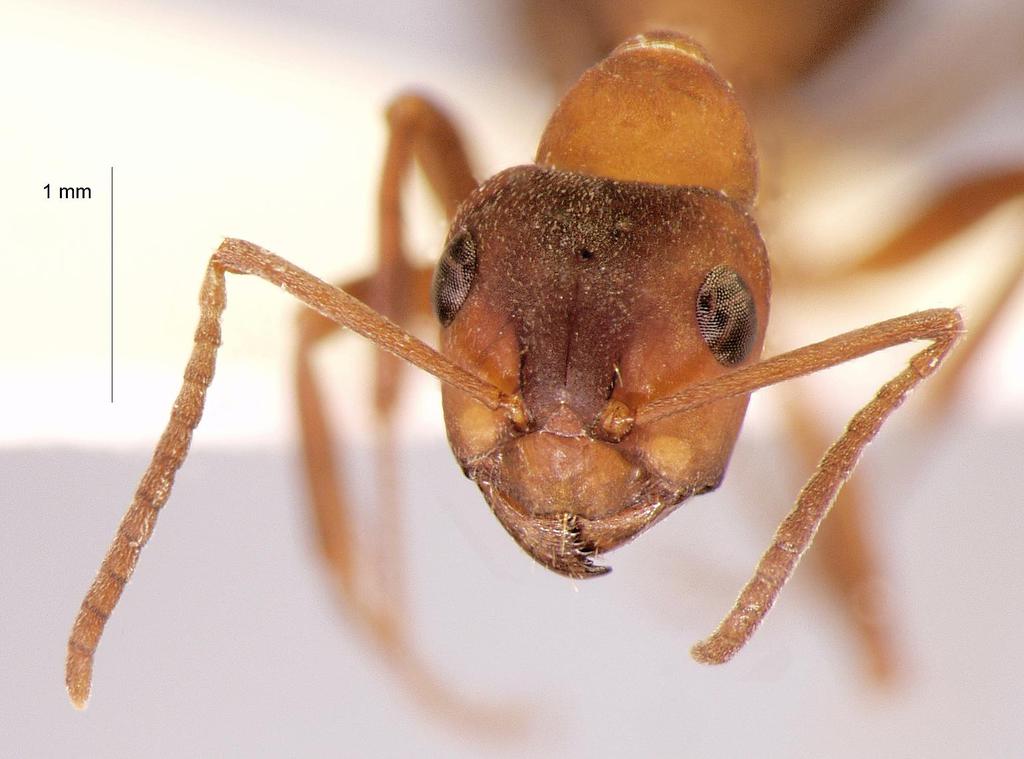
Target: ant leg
[[950, 381], [844, 550], [371, 599], [418, 131], [955, 210], [370, 582], [325, 475], [846, 556], [942, 327], [332, 525]]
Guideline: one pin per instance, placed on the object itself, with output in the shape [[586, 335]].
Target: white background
[[260, 121]]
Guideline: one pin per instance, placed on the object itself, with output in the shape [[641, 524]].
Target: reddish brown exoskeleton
[[778, 55], [792, 65], [603, 313]]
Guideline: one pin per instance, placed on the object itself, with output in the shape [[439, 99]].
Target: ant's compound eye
[[725, 315], [454, 276]]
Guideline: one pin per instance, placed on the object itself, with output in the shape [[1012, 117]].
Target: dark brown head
[[585, 297]]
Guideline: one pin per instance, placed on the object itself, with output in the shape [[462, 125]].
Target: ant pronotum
[[603, 313]]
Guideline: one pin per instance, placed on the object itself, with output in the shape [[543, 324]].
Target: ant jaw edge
[[553, 541]]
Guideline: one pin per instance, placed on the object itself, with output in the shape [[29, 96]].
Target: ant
[[602, 315]]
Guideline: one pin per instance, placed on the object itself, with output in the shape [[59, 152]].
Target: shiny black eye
[[725, 315], [454, 277]]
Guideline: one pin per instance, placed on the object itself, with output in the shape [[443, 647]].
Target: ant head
[[585, 298]]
